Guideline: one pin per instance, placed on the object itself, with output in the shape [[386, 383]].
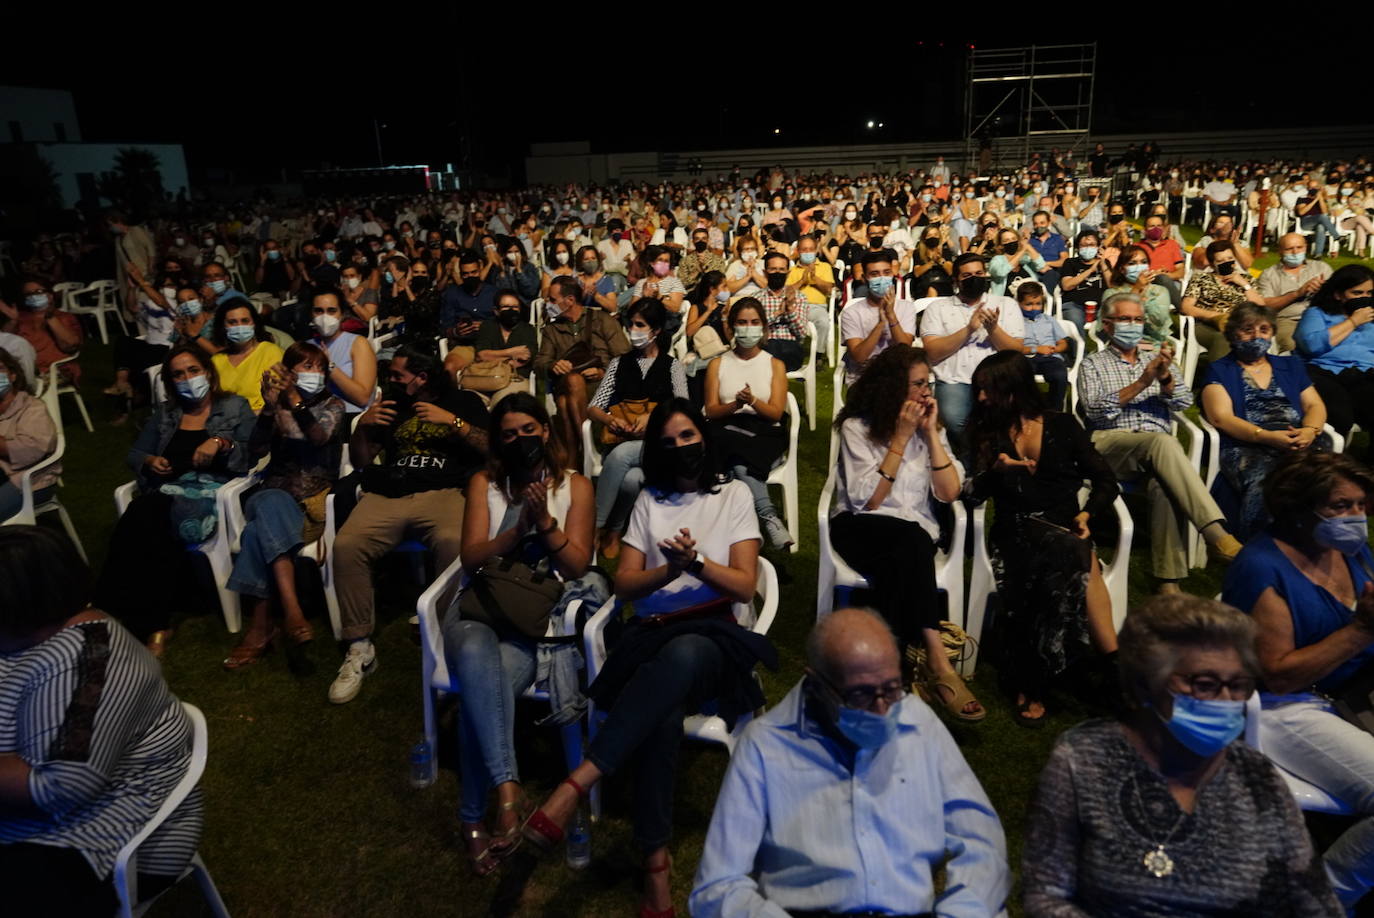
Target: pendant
[[1158, 862]]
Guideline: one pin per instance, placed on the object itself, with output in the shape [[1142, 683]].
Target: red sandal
[[541, 831], [645, 909]]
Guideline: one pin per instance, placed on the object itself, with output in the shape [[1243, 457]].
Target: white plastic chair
[[57, 386], [29, 511], [65, 294], [106, 301], [435, 677], [126, 863], [1309, 796], [833, 573], [982, 583], [704, 727], [785, 475], [217, 550], [807, 374]]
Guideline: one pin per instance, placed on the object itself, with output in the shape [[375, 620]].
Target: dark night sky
[[315, 107]]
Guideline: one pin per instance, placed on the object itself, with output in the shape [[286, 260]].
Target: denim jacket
[[230, 418]]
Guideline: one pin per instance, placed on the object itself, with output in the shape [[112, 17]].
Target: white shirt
[[679, 237], [908, 498], [857, 320], [739, 269], [899, 241], [736, 373], [948, 314], [615, 256], [716, 522]]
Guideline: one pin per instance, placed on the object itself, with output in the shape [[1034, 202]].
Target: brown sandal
[[246, 654], [959, 696]]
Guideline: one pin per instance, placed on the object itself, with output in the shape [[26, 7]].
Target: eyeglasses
[[920, 384], [863, 697], [1127, 320], [1205, 686]]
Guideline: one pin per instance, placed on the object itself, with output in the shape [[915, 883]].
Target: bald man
[[847, 796], [1288, 285]]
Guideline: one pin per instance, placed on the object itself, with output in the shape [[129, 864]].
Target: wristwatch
[[697, 566], [458, 424]]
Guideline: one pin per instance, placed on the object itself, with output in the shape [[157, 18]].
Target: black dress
[[1041, 566]]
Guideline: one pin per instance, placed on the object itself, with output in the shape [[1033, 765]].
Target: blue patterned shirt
[[1105, 373]]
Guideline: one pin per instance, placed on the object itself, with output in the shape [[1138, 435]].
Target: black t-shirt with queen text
[[422, 456]]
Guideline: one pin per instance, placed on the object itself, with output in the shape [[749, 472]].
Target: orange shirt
[[33, 328], [1165, 256]]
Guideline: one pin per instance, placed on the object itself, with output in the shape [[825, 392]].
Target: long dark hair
[[221, 333], [657, 464], [702, 291], [877, 396], [1008, 379], [556, 455], [43, 580], [1341, 280], [1127, 253]]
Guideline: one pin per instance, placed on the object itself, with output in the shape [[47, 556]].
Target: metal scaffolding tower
[[1019, 99]]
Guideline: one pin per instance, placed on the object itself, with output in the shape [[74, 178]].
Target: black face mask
[[396, 392], [419, 284], [974, 286], [700, 245], [687, 460], [509, 318], [875, 242], [312, 260], [1226, 268], [1115, 218], [1011, 248], [1358, 303], [523, 453], [777, 280], [470, 284], [933, 242]]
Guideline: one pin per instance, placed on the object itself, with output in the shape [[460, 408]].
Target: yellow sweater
[[246, 378]]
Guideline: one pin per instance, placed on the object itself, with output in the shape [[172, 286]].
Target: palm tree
[[136, 181]]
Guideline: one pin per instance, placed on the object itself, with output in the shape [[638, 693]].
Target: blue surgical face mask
[[1032, 314], [1206, 727], [1294, 259], [239, 334], [36, 301], [218, 286], [194, 388], [723, 296], [330, 254], [1127, 335], [807, 258], [190, 308], [1087, 252], [866, 729], [1133, 272], [4, 382], [1252, 350], [388, 278], [274, 254], [748, 335], [1346, 534], [880, 286], [309, 381]]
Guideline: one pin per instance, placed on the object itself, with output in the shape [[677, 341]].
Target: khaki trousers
[[1177, 495], [376, 526]]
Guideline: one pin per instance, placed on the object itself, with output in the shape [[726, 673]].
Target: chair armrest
[[594, 637]]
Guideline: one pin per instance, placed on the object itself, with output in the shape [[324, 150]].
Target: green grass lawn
[[308, 807]]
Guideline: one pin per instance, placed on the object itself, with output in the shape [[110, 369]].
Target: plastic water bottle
[[579, 844], [421, 765]]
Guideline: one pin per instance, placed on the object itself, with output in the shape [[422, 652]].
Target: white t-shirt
[[615, 256], [910, 495], [739, 269], [857, 320], [948, 314], [156, 324], [716, 521], [736, 373]]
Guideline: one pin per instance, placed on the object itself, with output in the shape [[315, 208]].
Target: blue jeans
[[620, 482], [491, 672], [954, 400], [273, 528], [1309, 739], [1324, 226], [12, 499], [646, 725], [1075, 314], [763, 503]]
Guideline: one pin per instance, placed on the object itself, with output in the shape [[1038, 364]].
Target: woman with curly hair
[[894, 457]]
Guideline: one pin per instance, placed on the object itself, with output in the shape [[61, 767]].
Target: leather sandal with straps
[[541, 831], [645, 909], [955, 696], [246, 654], [504, 843], [480, 855]]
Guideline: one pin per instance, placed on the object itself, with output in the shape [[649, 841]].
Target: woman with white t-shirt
[[155, 312], [744, 275], [746, 399], [894, 457], [691, 551]]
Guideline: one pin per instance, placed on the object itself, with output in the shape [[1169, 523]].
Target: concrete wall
[[567, 166], [71, 160], [41, 115]]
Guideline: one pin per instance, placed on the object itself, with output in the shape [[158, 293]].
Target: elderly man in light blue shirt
[[847, 796]]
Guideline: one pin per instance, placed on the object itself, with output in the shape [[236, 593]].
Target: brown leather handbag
[[487, 376], [629, 411]]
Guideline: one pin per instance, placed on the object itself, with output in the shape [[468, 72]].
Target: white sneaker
[[778, 534], [361, 660]]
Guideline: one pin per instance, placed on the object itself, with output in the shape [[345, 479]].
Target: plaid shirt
[[784, 313], [1105, 373]]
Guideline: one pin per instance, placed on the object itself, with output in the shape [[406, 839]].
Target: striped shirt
[[1105, 373], [106, 743]]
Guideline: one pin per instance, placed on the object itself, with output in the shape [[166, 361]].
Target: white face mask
[[561, 257], [308, 381], [513, 256], [326, 325], [639, 338], [749, 256], [353, 282]]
